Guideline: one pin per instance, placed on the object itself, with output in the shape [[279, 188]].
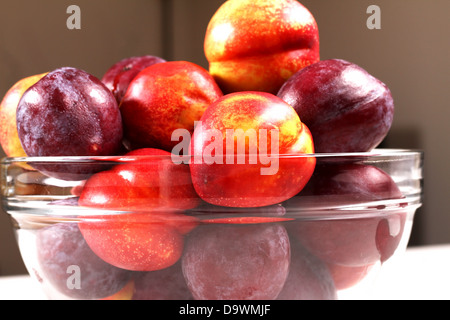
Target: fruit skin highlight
[[257, 45], [9, 138]]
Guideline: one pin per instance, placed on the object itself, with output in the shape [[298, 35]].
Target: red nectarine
[[162, 98], [257, 45], [238, 148]]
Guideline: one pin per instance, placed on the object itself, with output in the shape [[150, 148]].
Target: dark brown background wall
[[409, 53]]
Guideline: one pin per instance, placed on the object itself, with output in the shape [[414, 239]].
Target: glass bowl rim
[[377, 155], [377, 152]]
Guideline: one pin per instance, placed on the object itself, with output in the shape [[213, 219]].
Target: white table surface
[[422, 273]]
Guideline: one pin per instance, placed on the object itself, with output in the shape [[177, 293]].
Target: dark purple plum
[[69, 113], [118, 76], [66, 261], [352, 242], [236, 262], [340, 184], [356, 241], [166, 284], [346, 108], [309, 278]]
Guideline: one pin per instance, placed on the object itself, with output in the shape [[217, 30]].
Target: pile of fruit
[[266, 90]]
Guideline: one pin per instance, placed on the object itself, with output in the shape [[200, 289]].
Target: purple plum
[[118, 76], [346, 108]]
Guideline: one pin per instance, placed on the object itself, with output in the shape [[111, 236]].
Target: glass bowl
[[135, 227]]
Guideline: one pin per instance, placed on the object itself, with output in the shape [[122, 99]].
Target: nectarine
[[9, 138], [257, 45], [162, 98], [237, 150], [133, 241], [150, 183]]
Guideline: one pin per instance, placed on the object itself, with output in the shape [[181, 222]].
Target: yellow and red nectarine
[[9, 138], [257, 45]]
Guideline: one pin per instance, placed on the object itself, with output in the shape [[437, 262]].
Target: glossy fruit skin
[[236, 262], [346, 108], [163, 98], [151, 193], [69, 113], [235, 184], [137, 241], [118, 77], [150, 183], [61, 246], [357, 241], [9, 138], [258, 45]]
